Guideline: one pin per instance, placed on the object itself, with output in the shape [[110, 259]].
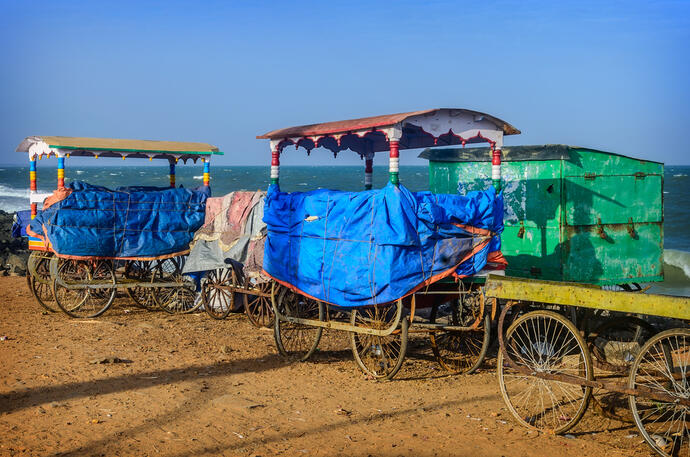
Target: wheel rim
[[663, 365], [460, 352], [41, 284], [180, 297], [259, 308], [545, 342], [90, 302], [298, 341], [140, 271], [218, 302], [378, 356]]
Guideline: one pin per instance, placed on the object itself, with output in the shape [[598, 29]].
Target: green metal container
[[571, 214]]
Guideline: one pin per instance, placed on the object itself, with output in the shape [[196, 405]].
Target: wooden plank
[[586, 296]]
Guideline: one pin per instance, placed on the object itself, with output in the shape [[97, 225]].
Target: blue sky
[[607, 75]]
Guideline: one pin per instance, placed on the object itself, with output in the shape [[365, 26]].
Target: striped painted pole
[[207, 172], [368, 173], [394, 162], [275, 166], [32, 185], [61, 173], [172, 174], [496, 169]]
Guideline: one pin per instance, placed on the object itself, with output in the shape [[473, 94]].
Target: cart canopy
[[144, 223], [374, 247]]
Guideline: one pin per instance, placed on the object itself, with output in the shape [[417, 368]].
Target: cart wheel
[[663, 365], [297, 341], [545, 342], [460, 352], [140, 271], [379, 356], [40, 283], [218, 302], [85, 302], [180, 296], [259, 308], [616, 342]]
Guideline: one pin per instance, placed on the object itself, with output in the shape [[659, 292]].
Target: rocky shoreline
[[14, 252]]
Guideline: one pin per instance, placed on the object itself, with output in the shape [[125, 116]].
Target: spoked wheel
[[40, 283], [141, 271], [294, 340], [663, 365], [545, 342], [91, 301], [218, 300], [258, 308], [616, 343], [461, 352], [379, 356], [180, 296]]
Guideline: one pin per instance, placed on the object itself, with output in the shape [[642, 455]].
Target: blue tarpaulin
[[373, 247], [93, 221]]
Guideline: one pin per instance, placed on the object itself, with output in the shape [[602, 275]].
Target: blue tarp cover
[[373, 247], [126, 223]]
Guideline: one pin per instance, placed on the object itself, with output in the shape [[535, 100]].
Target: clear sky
[[607, 75]]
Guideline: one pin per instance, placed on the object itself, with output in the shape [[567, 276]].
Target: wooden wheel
[[258, 308], [297, 341], [663, 365], [218, 301], [379, 356], [140, 271], [180, 297], [545, 342], [39, 280], [461, 352], [89, 300]]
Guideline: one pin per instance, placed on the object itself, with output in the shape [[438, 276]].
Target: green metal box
[[571, 214]]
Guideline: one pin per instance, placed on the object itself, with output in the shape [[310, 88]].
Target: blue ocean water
[[14, 194]]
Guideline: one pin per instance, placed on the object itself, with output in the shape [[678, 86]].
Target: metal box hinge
[[600, 228], [589, 176], [640, 175], [521, 232], [631, 228]]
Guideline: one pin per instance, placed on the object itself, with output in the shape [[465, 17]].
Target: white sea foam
[[680, 175], [680, 259], [79, 171], [12, 192], [199, 177]]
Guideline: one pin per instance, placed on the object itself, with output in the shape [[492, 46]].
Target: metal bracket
[[631, 228], [521, 232], [600, 229]]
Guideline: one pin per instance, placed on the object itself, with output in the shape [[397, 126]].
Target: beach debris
[[104, 360], [4, 338]]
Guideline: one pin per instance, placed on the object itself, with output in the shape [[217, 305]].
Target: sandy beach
[[187, 385]]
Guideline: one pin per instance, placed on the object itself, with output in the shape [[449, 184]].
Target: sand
[[189, 385]]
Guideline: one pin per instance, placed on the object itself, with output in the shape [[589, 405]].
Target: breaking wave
[[678, 259]]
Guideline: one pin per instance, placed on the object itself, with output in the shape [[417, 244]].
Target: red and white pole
[[275, 166], [368, 172], [394, 162], [496, 168]]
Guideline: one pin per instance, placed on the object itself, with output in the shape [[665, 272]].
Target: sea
[[14, 194]]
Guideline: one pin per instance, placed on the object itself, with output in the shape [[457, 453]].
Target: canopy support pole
[[394, 162], [496, 168], [61, 173], [172, 173], [32, 184], [275, 166], [368, 172], [207, 171]]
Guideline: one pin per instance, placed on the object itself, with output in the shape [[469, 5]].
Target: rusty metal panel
[[585, 216]]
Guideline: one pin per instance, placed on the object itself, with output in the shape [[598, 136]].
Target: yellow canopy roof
[[111, 147]]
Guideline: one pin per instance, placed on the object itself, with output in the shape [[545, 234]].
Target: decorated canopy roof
[[415, 129], [109, 147]]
